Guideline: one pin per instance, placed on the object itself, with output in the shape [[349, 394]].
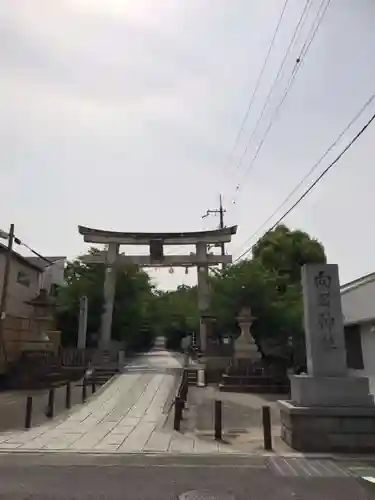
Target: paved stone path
[[127, 416], [130, 415]]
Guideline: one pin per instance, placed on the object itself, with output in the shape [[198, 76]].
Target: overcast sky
[[122, 114]]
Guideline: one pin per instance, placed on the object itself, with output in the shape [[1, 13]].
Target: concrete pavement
[[130, 415], [127, 416], [63, 477]]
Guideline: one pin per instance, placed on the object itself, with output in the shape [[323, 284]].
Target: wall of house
[[53, 275], [358, 304], [368, 352], [24, 285]]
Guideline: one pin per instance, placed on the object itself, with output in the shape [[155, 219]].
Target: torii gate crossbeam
[[156, 241]]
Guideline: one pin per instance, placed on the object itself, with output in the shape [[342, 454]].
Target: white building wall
[[53, 275], [19, 293], [368, 351], [358, 303]]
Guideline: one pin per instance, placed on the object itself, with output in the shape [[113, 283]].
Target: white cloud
[[121, 114]]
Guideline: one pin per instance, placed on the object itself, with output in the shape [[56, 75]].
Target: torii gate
[[156, 241]]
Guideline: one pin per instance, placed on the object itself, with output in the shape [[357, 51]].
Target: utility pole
[[4, 292], [218, 211]]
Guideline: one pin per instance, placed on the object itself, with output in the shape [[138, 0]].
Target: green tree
[[132, 316], [286, 251], [270, 284], [176, 314]]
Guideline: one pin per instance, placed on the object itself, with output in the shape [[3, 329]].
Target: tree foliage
[[132, 316], [176, 314], [269, 283]]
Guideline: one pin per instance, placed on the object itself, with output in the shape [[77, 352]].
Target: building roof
[[23, 260], [44, 263], [363, 280]]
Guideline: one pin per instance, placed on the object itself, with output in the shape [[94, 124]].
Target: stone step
[[256, 389], [105, 371], [249, 380], [192, 377]]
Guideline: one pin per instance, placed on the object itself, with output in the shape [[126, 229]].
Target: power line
[[312, 169], [296, 68], [242, 126], [281, 67], [33, 251], [16, 240], [322, 8], [307, 191]]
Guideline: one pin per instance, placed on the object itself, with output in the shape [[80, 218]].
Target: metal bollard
[[178, 405], [84, 391], [218, 420], [267, 434], [184, 388], [29, 409], [186, 379], [51, 403], [68, 396], [93, 387]]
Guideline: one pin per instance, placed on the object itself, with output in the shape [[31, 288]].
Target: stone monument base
[[328, 429], [330, 391], [245, 375]]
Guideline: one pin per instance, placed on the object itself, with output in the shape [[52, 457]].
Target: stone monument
[[42, 322], [247, 373], [329, 410], [245, 346]]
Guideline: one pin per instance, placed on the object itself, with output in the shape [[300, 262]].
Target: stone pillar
[[82, 323], [109, 295], [323, 321], [325, 344], [203, 293], [329, 410]]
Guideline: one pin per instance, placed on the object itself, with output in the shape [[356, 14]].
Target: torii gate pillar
[[203, 294], [109, 295], [156, 241]]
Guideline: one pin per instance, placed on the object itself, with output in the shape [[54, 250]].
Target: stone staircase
[[101, 375], [192, 376], [254, 378], [104, 366]]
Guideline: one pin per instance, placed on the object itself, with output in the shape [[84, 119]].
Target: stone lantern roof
[[42, 300]]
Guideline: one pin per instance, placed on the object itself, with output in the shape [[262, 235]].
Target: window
[[23, 278], [353, 344]]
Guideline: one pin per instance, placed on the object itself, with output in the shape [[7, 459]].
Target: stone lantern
[[245, 346], [42, 321]]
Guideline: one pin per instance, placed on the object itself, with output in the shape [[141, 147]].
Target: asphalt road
[[165, 478]]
